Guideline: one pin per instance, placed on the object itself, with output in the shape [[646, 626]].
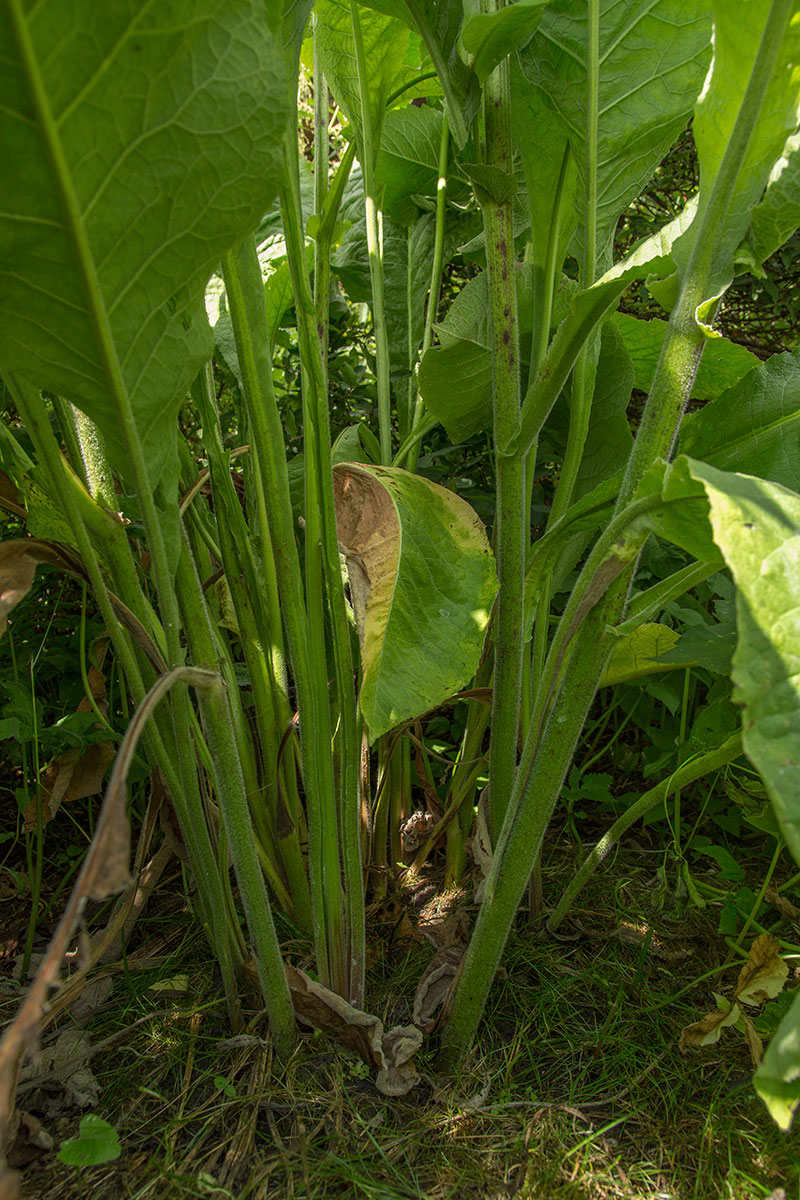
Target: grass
[[575, 1091]]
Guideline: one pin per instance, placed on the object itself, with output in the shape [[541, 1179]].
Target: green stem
[[510, 525], [348, 886], [374, 245], [686, 774], [181, 784], [536, 792], [683, 344], [435, 284], [232, 798]]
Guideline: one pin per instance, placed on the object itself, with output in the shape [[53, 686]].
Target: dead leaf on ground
[[65, 1064], [788, 911], [435, 988], [754, 1043], [389, 1054], [706, 1031], [763, 975]]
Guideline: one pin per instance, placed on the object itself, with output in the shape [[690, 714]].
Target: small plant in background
[[285, 530]]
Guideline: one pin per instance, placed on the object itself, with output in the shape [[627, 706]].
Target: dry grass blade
[[105, 871]]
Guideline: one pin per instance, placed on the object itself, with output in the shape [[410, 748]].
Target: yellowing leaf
[[422, 581], [636, 654]]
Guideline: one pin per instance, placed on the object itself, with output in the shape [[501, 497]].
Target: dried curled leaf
[[390, 1054], [763, 975], [789, 911], [706, 1031]]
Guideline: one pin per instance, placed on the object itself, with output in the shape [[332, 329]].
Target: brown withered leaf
[[17, 570], [754, 1043], [114, 875], [390, 1054], [74, 775], [480, 846], [706, 1031], [435, 988], [788, 911], [764, 973]]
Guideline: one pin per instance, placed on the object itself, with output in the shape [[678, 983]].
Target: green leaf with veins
[[408, 159], [135, 150], [653, 58], [777, 1079], [389, 47]]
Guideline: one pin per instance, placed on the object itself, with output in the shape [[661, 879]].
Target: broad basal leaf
[[422, 582], [653, 57], [755, 425], [756, 525], [135, 150]]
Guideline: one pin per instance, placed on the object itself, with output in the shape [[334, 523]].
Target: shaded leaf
[[754, 426], [777, 1080], [490, 37], [96, 1143], [777, 215], [723, 363], [637, 654]]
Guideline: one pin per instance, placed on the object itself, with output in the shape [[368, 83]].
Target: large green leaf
[[542, 140], [422, 581], [777, 215], [136, 148], [723, 363], [756, 526], [738, 31], [777, 1079], [653, 57], [754, 426], [455, 381]]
